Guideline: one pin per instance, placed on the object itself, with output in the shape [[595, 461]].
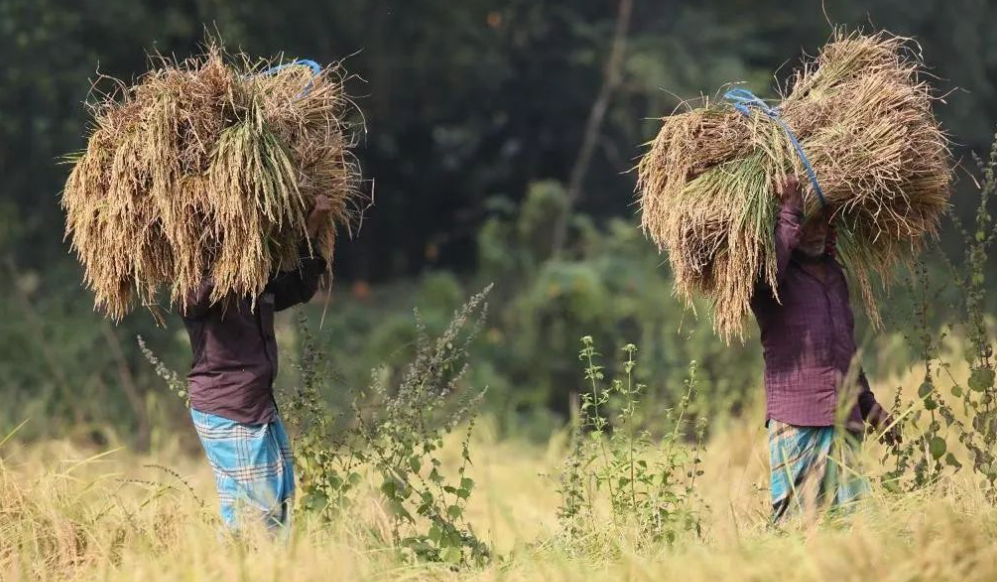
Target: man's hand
[[789, 192], [319, 213], [882, 422]]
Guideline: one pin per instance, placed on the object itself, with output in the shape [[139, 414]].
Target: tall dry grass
[[67, 513]]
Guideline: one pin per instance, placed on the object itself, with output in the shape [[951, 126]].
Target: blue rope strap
[[744, 101], [315, 67]]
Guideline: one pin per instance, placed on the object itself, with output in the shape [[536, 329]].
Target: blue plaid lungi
[[813, 467], [253, 468]]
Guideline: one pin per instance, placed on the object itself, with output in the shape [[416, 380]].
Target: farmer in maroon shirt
[[815, 411], [231, 388]]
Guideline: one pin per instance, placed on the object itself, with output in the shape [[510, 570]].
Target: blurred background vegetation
[[478, 113]]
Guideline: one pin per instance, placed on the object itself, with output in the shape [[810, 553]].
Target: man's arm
[[867, 400], [875, 415], [787, 237], [787, 227], [290, 289], [198, 302]]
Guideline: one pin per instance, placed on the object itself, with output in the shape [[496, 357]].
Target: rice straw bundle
[[863, 117], [208, 166]]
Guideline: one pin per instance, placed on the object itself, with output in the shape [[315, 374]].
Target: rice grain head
[[864, 119], [207, 167]]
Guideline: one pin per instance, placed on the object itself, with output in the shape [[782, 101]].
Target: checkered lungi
[[812, 467], [253, 468]]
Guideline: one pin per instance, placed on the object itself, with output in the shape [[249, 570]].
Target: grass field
[[71, 513]]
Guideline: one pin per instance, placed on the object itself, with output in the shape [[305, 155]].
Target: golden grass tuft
[[864, 118], [64, 517], [207, 166]]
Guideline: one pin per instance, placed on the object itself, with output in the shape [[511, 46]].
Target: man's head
[[814, 235]]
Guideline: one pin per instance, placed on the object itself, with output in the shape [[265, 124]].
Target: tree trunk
[[611, 82]]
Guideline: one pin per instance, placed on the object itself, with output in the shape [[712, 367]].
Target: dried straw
[[863, 116], [208, 167]]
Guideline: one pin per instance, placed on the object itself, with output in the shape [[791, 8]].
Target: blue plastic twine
[[315, 67], [744, 101]]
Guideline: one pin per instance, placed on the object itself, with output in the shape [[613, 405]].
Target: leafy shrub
[[395, 435], [926, 456], [649, 482]]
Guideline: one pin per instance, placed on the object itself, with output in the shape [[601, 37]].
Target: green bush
[[649, 482], [393, 433], [931, 422]]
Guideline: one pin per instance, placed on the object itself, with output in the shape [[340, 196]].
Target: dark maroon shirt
[[235, 351], [808, 338]]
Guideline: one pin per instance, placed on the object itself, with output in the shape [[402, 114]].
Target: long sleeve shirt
[[234, 347], [808, 338]]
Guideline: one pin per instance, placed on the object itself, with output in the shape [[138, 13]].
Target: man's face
[[813, 236]]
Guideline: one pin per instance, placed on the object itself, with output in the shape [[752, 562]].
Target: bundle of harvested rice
[[880, 161], [209, 167]]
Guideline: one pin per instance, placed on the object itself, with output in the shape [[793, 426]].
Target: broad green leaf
[[981, 380], [399, 511], [937, 446], [451, 555]]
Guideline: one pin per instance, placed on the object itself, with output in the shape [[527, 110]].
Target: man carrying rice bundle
[[219, 182], [807, 330], [231, 389], [857, 122]]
